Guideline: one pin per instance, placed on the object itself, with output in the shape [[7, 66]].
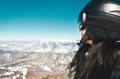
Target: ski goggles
[[82, 26], [81, 21]]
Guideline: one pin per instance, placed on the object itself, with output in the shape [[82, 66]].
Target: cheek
[[83, 32]]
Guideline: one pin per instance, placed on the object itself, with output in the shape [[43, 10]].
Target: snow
[[24, 72], [15, 68], [16, 77], [43, 64], [2, 67], [53, 46], [8, 73], [46, 68], [47, 55]]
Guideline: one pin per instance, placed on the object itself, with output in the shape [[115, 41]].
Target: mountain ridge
[[52, 46]]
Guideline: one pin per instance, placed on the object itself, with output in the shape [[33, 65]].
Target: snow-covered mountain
[[36, 66], [33, 59], [46, 46]]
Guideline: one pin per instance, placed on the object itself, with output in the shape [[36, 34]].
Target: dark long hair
[[96, 61]]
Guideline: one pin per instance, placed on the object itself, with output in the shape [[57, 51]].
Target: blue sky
[[40, 19]]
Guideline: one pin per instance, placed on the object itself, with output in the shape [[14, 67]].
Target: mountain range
[[45, 46], [35, 59]]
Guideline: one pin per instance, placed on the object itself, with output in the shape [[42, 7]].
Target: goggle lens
[[82, 26]]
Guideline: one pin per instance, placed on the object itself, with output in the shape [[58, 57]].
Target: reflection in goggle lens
[[82, 26], [83, 17]]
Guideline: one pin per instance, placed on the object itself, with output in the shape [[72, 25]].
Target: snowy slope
[[36, 65], [46, 46], [35, 58]]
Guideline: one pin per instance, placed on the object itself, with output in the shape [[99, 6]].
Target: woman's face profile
[[83, 31]]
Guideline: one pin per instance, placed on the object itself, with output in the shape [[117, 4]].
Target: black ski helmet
[[102, 19]]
